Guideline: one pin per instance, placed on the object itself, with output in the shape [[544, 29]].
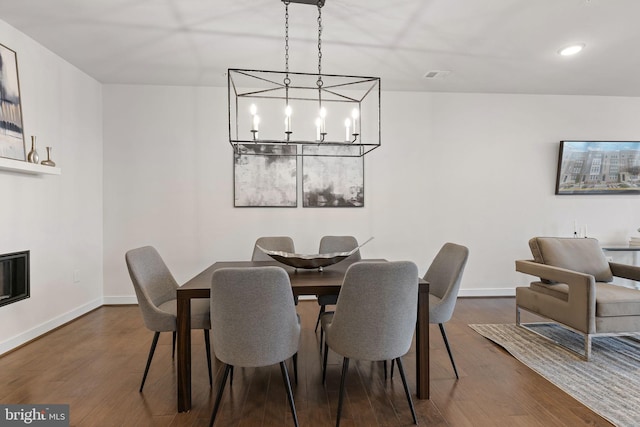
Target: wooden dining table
[[303, 282]]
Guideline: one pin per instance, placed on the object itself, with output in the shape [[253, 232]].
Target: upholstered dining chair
[[377, 328], [272, 243], [331, 244], [155, 290], [254, 322], [444, 276]]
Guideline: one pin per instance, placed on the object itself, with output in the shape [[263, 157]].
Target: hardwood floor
[[95, 365]]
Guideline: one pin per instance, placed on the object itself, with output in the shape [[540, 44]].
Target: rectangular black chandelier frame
[[339, 92]]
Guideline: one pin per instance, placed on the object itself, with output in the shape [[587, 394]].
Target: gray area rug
[[609, 384]]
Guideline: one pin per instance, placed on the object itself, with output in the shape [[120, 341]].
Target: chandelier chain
[[287, 81], [319, 82]]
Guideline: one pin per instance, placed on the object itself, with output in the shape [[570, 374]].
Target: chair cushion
[[611, 300], [582, 255]]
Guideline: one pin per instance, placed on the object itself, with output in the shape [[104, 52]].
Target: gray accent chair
[[254, 322], [156, 293], [574, 289], [376, 327], [331, 244], [272, 243], [444, 276]]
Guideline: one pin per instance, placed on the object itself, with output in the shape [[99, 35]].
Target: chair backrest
[[376, 312], [582, 255], [154, 285], [253, 316], [444, 276], [331, 244], [272, 243]]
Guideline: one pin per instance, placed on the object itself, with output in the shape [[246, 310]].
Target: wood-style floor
[[95, 365]]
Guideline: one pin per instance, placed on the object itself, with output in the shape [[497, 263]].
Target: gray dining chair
[[254, 322], [377, 328], [331, 244], [155, 290], [272, 243], [444, 276]]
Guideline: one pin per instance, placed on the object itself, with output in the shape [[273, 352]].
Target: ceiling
[[492, 46]]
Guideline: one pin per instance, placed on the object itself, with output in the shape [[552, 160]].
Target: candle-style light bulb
[[347, 126], [318, 128], [323, 123], [287, 119], [355, 114], [254, 124]]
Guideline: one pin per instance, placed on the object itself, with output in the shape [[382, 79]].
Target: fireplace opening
[[14, 277]]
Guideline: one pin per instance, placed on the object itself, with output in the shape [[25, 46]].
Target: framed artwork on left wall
[[11, 128]]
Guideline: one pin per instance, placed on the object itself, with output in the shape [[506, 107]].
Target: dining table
[[325, 281]]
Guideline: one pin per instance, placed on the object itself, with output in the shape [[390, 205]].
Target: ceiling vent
[[436, 74]]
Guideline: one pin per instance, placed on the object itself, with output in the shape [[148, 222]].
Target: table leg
[[422, 343], [184, 353]]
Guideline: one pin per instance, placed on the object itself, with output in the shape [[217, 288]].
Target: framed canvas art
[[332, 181], [598, 167], [265, 176], [11, 129]]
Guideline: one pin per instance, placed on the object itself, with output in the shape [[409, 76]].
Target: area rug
[[609, 384]]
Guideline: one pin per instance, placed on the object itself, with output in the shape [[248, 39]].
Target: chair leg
[[231, 379], [446, 343], [324, 363], [322, 310], [219, 396], [151, 351], [384, 363], [321, 337], [173, 346], [207, 347], [393, 364], [406, 390], [343, 380], [295, 367], [287, 385]]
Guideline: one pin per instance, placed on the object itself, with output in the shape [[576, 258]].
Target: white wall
[[57, 218], [476, 169]]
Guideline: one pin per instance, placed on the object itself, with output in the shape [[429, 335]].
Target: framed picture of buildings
[[11, 129], [333, 179], [598, 167], [265, 175]]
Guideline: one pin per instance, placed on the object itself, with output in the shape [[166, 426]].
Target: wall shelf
[[29, 168]]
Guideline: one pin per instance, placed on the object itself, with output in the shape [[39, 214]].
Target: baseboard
[[48, 326], [121, 300], [487, 292]]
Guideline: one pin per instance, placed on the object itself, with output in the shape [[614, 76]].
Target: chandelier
[[303, 114]]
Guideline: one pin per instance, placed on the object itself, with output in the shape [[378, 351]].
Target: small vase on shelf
[[48, 162], [33, 157]]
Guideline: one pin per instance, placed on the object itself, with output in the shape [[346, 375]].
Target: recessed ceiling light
[[571, 50]]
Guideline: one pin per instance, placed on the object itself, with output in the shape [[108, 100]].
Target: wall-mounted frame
[[265, 176], [329, 180], [12, 144], [598, 167]]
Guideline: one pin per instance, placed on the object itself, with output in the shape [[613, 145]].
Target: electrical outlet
[[76, 276]]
